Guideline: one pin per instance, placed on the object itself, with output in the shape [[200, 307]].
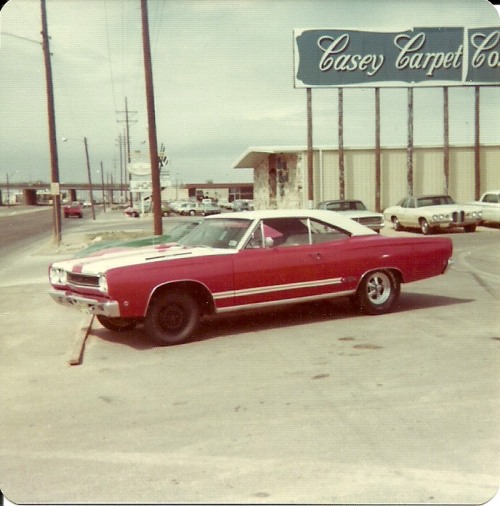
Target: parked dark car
[[357, 211], [208, 209]]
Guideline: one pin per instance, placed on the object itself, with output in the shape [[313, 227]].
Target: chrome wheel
[[377, 292], [378, 288], [425, 227], [395, 223]]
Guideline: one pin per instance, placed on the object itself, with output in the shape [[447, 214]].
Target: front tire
[[172, 317], [377, 292], [116, 324], [425, 227]]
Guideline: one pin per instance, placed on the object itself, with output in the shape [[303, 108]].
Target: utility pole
[[89, 177], [127, 122], [54, 163], [310, 170], [153, 145], [103, 190], [120, 142]]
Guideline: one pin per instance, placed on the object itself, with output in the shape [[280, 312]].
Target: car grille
[[83, 279], [458, 217], [369, 221]]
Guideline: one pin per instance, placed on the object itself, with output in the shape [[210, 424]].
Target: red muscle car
[[246, 260], [73, 210]]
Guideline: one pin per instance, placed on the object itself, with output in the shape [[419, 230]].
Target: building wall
[[359, 176]]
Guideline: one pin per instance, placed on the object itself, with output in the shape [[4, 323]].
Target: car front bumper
[[109, 308]]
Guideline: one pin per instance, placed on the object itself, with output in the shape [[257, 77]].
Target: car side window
[[289, 232], [491, 198], [324, 232]]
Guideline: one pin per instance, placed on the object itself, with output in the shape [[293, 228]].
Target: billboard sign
[[417, 57], [146, 185]]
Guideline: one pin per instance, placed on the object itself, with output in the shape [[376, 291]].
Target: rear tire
[[172, 317], [395, 223], [377, 292], [469, 228]]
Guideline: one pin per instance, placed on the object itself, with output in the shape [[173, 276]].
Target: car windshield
[[438, 200], [220, 233], [345, 205]]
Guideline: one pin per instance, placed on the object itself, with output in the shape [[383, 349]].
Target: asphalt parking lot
[[305, 404]]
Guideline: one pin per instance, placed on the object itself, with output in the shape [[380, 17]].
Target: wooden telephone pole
[[54, 163], [153, 145]]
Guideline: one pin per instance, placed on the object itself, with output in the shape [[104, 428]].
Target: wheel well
[[200, 293], [398, 275]]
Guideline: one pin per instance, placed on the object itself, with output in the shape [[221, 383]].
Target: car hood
[[449, 208], [136, 256]]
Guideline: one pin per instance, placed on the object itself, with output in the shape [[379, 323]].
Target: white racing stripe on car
[[277, 288]]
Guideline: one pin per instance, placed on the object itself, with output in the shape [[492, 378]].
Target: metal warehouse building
[[281, 174]]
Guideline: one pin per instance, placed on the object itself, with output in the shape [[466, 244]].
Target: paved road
[[21, 225], [314, 404]]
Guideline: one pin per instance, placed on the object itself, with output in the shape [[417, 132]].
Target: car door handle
[[316, 256]]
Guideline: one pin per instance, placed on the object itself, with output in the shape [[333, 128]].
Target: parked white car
[[357, 211], [490, 206], [433, 212]]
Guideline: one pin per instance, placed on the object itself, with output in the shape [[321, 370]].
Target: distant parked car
[[87, 203], [172, 236], [73, 210], [132, 212], [249, 260], [241, 205], [208, 209], [357, 211], [186, 209], [224, 203], [166, 208], [433, 212], [490, 206]]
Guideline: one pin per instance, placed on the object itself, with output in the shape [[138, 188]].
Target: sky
[[223, 82]]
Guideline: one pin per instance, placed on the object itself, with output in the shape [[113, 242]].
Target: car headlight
[[58, 276], [441, 217], [103, 283]]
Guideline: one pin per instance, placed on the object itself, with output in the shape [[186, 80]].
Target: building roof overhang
[[254, 156]]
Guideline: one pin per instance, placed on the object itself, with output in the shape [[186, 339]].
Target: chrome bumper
[[90, 306], [449, 263]]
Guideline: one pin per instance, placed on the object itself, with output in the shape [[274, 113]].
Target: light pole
[[8, 186], [103, 192], [66, 139]]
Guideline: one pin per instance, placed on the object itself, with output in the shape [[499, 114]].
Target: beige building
[[280, 174]]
